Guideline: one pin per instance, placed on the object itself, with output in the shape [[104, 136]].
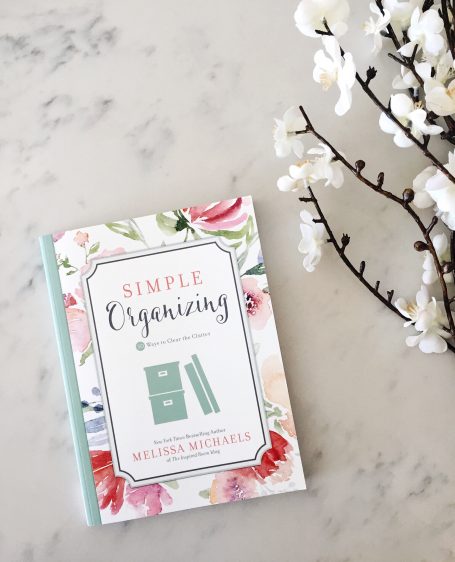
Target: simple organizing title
[[122, 315]]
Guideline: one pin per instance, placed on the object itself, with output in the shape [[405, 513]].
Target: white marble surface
[[113, 109]]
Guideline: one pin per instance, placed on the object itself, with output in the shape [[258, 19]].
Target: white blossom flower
[[375, 28], [285, 139], [439, 69], [439, 98], [401, 11], [335, 69], [299, 177], [325, 168], [410, 115], [310, 16], [425, 32], [320, 167], [441, 245], [427, 318], [405, 79], [422, 199], [442, 190], [314, 236]]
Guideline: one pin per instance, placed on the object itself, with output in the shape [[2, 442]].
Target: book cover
[[171, 362]]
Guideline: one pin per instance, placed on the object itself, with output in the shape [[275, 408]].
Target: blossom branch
[[407, 62], [422, 145], [404, 201], [358, 273], [340, 249]]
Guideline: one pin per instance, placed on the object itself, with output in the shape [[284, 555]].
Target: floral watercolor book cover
[[171, 362]]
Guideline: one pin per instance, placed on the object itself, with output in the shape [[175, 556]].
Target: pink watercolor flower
[[220, 216], [57, 235], [148, 500], [232, 486], [78, 328], [81, 238], [257, 302], [109, 488], [241, 484]]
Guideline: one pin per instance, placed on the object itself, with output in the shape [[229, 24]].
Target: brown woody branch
[[422, 145], [358, 273], [401, 201]]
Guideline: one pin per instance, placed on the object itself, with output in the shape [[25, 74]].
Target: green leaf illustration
[[205, 494], [125, 229], [93, 248], [258, 269], [278, 427], [172, 484], [86, 354], [166, 224]]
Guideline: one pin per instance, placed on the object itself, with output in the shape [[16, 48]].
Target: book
[[171, 364]]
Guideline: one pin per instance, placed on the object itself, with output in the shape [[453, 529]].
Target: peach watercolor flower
[[275, 389], [81, 238], [258, 304]]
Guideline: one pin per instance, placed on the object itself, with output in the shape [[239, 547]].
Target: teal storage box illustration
[[166, 393], [169, 407], [163, 378]]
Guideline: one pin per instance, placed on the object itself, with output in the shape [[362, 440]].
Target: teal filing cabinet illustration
[[166, 393]]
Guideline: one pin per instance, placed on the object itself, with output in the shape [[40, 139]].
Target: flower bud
[[447, 267], [420, 246], [359, 165], [408, 195]]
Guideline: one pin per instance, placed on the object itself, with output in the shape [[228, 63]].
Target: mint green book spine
[[70, 381]]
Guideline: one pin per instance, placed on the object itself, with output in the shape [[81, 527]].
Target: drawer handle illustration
[[166, 392]]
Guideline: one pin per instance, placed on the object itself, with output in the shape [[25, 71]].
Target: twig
[[448, 27], [452, 251], [423, 146], [358, 273], [403, 202], [340, 249]]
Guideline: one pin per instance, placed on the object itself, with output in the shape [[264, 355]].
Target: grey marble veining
[[112, 109]]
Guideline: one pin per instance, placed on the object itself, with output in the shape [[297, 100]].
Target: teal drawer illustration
[[163, 378], [168, 407]]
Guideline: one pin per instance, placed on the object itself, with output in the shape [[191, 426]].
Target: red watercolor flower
[[221, 216], [69, 300], [257, 303], [109, 488], [272, 459]]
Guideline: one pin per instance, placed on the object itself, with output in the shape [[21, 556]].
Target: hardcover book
[[171, 363]]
